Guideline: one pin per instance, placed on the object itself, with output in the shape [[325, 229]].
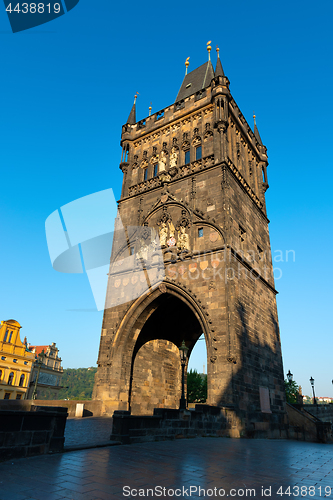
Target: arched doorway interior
[[156, 370]]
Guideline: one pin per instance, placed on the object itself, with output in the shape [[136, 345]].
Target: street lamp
[[39, 362], [290, 377], [183, 358], [312, 385]]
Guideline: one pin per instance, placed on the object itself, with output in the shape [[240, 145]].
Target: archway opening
[[156, 369], [197, 378]]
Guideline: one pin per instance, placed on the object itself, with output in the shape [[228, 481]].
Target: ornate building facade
[[15, 362], [195, 258], [45, 382]]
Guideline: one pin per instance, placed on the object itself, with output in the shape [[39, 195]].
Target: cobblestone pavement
[[232, 466], [87, 431]]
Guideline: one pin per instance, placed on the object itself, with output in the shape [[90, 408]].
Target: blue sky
[[68, 86]]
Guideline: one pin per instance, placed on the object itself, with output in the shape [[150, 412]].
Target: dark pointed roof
[[219, 70], [256, 133], [198, 79], [132, 116]]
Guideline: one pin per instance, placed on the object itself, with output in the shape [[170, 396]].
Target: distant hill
[[80, 383]]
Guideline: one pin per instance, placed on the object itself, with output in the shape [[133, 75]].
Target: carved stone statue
[[143, 252], [163, 234], [144, 237], [165, 227], [161, 162], [171, 229], [183, 243], [173, 159]]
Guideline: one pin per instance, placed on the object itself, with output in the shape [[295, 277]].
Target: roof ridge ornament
[[209, 48], [187, 63]]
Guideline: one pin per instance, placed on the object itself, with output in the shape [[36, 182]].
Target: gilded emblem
[[192, 267]]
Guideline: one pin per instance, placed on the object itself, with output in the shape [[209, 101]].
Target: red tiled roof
[[39, 348]]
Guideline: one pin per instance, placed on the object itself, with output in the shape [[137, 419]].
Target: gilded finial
[[135, 97], [254, 118], [218, 52], [209, 48], [187, 63], [150, 108]]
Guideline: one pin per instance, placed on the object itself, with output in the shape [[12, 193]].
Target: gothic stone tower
[[195, 175]]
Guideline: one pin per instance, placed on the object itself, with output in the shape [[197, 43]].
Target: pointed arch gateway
[[145, 350]]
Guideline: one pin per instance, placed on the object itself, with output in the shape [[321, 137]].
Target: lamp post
[[183, 358], [39, 362], [312, 385], [289, 394], [290, 377]]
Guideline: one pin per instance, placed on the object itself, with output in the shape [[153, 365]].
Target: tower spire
[[132, 116], [219, 70], [256, 131]]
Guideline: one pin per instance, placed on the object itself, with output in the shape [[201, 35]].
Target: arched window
[[11, 378], [0, 374], [6, 335], [10, 337], [22, 377]]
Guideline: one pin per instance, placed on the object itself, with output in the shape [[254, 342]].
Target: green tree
[[78, 383], [196, 387], [292, 391]]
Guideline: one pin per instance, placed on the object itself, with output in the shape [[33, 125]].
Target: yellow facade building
[[15, 362]]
